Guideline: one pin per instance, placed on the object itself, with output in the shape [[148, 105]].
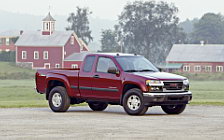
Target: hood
[[160, 75]]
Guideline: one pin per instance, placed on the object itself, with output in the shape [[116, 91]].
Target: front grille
[[173, 85]]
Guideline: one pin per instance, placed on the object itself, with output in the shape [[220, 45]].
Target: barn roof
[[76, 56], [35, 38], [10, 33], [196, 53], [49, 18]]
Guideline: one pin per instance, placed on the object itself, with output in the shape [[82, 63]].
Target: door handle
[[96, 76]]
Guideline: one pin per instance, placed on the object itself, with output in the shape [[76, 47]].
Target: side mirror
[[113, 70]]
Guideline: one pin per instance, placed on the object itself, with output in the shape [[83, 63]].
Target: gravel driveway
[[196, 122]]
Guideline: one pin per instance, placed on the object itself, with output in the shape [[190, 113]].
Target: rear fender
[[60, 78]]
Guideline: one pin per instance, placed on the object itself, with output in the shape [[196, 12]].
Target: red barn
[[196, 58], [8, 39], [47, 48]]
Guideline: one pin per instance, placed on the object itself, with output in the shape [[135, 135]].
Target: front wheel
[[133, 102], [97, 106], [173, 109], [59, 101]]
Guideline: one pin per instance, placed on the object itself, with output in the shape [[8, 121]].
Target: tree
[[109, 41], [149, 28], [79, 23], [210, 29]]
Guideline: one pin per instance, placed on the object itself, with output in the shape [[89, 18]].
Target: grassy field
[[8, 70], [21, 93]]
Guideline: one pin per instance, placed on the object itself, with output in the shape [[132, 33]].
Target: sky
[[106, 9]]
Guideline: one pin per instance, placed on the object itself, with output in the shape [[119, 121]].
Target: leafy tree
[[188, 25], [79, 23], [109, 41], [149, 28], [210, 29]]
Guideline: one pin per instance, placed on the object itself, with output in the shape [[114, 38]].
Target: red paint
[[10, 47], [54, 56], [68, 64]]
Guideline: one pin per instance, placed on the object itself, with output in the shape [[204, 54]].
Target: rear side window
[[88, 63]]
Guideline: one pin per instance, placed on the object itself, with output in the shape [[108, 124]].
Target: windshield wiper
[[144, 70], [131, 71]]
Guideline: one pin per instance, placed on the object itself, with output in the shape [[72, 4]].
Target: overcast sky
[[107, 9]]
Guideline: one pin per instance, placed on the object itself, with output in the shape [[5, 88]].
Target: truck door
[[85, 77], [105, 85]]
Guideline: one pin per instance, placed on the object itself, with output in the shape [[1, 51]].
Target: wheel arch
[[53, 82], [128, 86]]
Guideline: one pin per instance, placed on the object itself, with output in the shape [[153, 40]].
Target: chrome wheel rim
[[56, 99], [134, 102]]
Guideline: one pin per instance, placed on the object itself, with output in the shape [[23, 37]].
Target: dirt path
[[197, 122]]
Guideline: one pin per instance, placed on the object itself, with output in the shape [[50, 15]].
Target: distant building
[[196, 58], [48, 48], [8, 39]]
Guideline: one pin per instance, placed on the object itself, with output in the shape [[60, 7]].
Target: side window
[[104, 64], [88, 63]]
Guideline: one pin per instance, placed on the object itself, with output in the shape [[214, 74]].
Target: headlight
[[186, 82], [154, 83]]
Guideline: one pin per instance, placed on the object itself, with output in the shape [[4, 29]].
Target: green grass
[[207, 92], [21, 93], [8, 70]]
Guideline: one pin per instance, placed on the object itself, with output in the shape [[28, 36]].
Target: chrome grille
[[173, 85]]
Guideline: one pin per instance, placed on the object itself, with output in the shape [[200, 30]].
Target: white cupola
[[48, 25]]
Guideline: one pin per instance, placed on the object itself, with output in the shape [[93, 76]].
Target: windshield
[[135, 64]]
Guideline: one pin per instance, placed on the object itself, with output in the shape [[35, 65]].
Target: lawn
[[21, 93], [207, 92], [9, 70]]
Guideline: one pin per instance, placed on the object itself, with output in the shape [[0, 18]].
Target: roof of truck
[[114, 54]]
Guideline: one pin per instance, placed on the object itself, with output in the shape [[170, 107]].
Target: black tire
[[64, 103], [173, 109], [97, 106], [130, 95]]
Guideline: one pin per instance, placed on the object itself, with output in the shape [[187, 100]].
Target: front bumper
[[153, 99]]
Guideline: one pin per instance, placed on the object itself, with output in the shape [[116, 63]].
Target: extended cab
[[117, 79]]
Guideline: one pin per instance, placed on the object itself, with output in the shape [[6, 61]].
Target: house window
[[57, 65], [36, 55], [219, 68], [74, 66], [24, 55], [208, 68], [197, 68], [186, 68], [47, 65], [45, 54], [72, 40], [7, 41]]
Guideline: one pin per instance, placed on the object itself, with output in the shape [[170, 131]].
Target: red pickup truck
[[118, 79]]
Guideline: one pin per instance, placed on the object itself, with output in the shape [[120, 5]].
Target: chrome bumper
[[152, 99], [166, 94]]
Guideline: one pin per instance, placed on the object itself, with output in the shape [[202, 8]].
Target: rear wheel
[[59, 101], [97, 106], [133, 102], [173, 109]]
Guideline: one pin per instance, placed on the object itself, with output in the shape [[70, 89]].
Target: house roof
[[35, 38], [196, 53], [49, 18], [10, 33], [76, 56], [170, 66]]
